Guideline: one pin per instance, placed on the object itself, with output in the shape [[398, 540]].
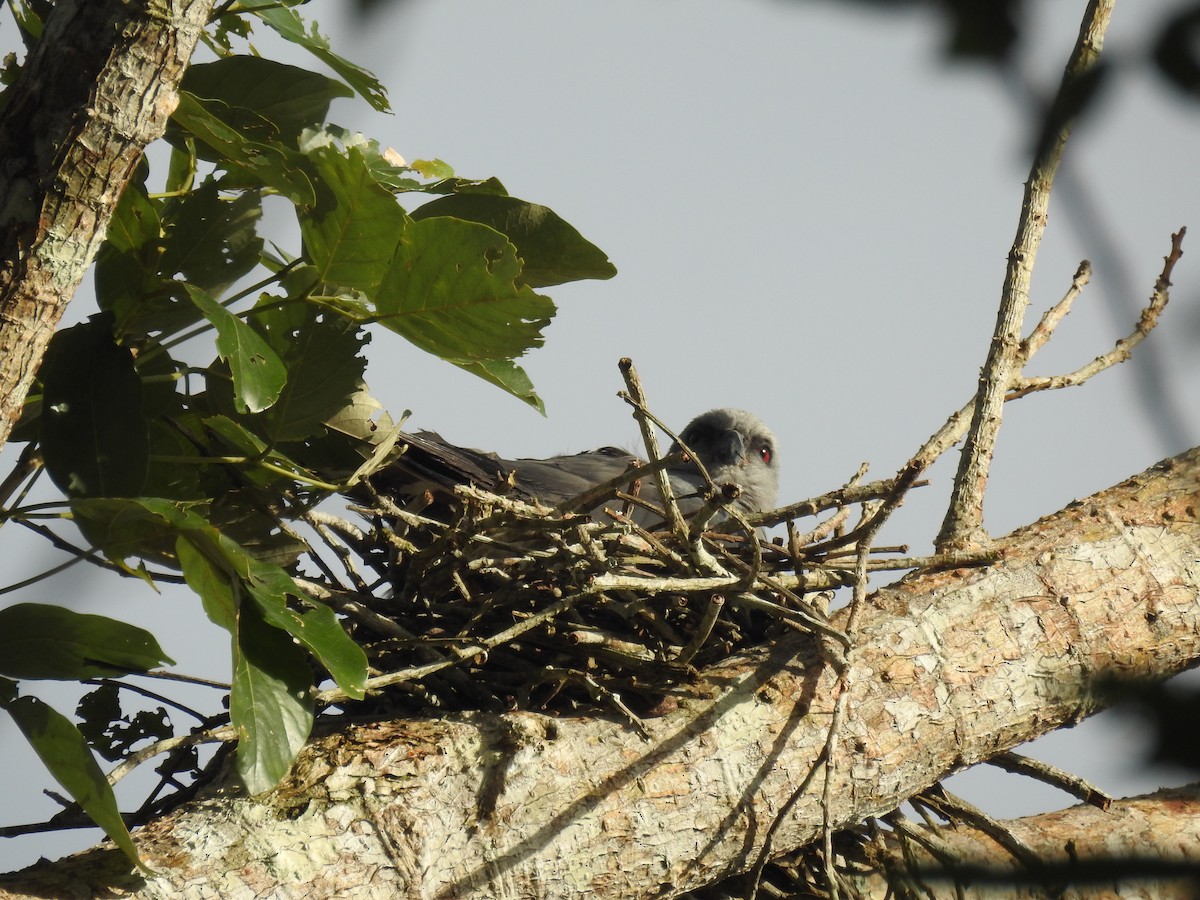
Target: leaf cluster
[[218, 394]]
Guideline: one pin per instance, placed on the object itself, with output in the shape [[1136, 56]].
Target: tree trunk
[[949, 668], [98, 87]]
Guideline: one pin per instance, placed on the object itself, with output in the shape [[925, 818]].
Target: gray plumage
[[734, 446]]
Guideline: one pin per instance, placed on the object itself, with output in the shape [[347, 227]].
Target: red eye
[[765, 454]]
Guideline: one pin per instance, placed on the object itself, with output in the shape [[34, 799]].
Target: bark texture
[[948, 669], [1143, 847], [97, 88]]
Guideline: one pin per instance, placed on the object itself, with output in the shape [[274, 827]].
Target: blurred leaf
[[386, 166], [452, 291], [986, 31], [551, 250], [65, 753], [43, 641], [28, 21], [1177, 50], [433, 168], [259, 375], [94, 437], [290, 97], [352, 232], [264, 161], [271, 703], [290, 26]]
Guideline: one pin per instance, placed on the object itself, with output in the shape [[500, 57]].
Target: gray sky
[[810, 213]]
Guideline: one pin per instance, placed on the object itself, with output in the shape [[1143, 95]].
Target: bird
[[734, 446]]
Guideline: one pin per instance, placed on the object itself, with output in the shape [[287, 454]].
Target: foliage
[[175, 469]]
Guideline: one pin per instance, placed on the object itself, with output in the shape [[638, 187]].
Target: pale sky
[[810, 213]]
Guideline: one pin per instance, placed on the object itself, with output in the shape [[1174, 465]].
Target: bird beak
[[732, 450]]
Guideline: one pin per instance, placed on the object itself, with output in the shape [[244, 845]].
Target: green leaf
[[210, 241], [124, 528], [387, 167], [135, 221], [271, 704], [506, 374], [42, 641], [363, 417], [63, 749], [94, 436], [265, 160], [211, 581], [352, 232], [258, 373], [317, 629], [290, 97], [167, 476], [181, 167], [217, 567], [290, 26], [324, 365], [552, 251], [451, 290]]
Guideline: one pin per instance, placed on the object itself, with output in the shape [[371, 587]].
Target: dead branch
[[963, 525]]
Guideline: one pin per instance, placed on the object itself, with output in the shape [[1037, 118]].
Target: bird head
[[735, 446]]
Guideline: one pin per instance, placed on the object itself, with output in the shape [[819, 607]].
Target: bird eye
[[765, 453]]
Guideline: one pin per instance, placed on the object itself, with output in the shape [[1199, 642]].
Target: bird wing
[[430, 464]]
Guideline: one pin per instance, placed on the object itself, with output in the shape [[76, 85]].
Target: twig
[[963, 524], [1055, 314], [1077, 787], [1124, 347], [638, 399], [955, 808], [711, 611], [29, 462], [842, 497], [224, 733], [956, 425]]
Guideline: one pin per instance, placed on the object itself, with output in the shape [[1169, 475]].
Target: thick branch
[[950, 668], [96, 90], [1154, 837]]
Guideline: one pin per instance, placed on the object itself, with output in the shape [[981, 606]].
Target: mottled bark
[[95, 91], [1140, 847]]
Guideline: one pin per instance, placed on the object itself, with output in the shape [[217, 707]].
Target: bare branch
[[963, 525]]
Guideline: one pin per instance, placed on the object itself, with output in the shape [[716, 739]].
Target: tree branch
[[950, 668], [963, 525], [98, 87], [1144, 841]]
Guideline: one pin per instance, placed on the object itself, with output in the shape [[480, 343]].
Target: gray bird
[[733, 445]]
